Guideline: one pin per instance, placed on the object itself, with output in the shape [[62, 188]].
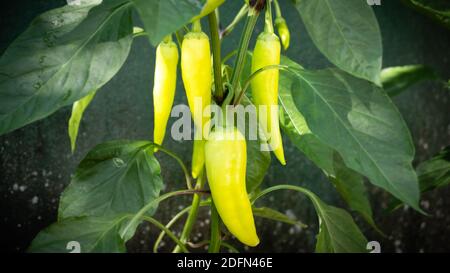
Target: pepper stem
[[268, 18], [217, 63], [197, 26], [277, 9], [168, 38]]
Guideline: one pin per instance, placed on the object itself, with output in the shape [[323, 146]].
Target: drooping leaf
[[397, 79], [78, 109], [90, 234], [275, 215], [64, 54], [347, 33], [362, 124], [114, 178], [162, 18], [338, 232]]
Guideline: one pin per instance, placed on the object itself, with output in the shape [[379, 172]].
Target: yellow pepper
[[265, 89], [225, 160], [164, 87], [197, 76]]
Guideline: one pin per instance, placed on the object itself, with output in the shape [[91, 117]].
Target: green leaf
[[338, 232], [439, 10], [78, 109], [361, 123], [347, 33], [114, 178], [93, 234], [348, 183], [64, 55], [397, 79], [162, 18], [275, 215], [435, 172]]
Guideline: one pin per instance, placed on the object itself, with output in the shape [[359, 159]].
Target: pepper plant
[[342, 118]]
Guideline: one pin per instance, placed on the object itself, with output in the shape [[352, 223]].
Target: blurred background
[[36, 162]]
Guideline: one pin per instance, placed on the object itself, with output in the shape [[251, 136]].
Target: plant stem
[[172, 222], [196, 26], [250, 23], [166, 230], [135, 220], [277, 9], [215, 42], [242, 12], [252, 76], [192, 217], [268, 27], [180, 162], [214, 245]]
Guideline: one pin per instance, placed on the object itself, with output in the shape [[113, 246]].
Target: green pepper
[[283, 31]]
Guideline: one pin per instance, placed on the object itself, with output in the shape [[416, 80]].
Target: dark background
[[36, 162]]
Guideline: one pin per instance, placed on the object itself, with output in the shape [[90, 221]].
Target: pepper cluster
[[222, 152]]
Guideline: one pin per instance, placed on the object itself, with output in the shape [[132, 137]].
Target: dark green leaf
[[78, 109], [338, 232], [64, 54], [347, 33], [162, 18], [435, 172], [114, 178], [93, 234], [348, 183], [361, 123], [397, 79], [275, 215]]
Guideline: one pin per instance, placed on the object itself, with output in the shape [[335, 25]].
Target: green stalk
[[277, 9], [242, 12], [192, 217], [180, 162], [135, 220], [166, 230], [215, 42], [214, 245], [196, 26], [268, 27], [172, 222], [250, 23]]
